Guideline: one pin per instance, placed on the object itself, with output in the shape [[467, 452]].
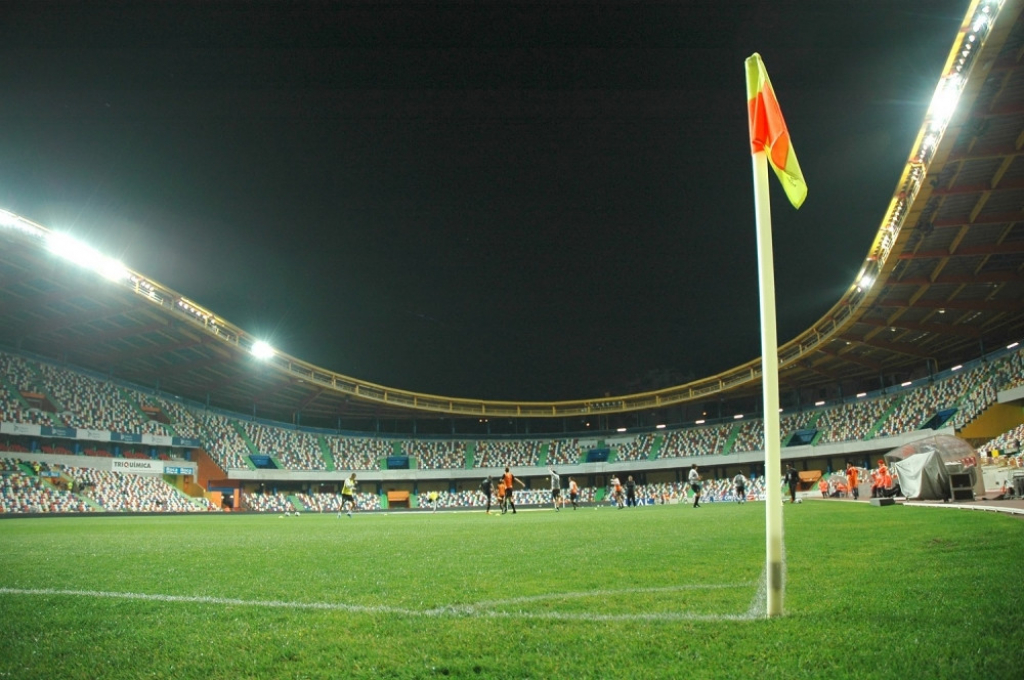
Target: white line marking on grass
[[480, 610], [621, 591], [204, 599]]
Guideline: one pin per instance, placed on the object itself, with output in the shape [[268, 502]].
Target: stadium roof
[[942, 283]]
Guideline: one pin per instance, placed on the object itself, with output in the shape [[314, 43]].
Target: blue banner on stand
[[126, 437], [62, 432]]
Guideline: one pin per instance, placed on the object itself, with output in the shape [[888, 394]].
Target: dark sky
[[490, 200]]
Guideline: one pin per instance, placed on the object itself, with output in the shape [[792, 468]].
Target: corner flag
[[769, 145], [768, 131]]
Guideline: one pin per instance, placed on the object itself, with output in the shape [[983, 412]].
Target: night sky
[[488, 200]]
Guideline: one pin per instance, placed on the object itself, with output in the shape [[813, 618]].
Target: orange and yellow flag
[[768, 131]]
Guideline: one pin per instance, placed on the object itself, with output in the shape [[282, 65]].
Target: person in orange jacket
[[852, 475], [510, 480], [882, 480]]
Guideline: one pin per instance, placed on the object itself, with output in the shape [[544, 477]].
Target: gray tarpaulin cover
[[924, 466], [923, 477]]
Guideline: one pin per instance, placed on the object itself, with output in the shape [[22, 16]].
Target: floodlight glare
[[12, 221], [944, 102], [65, 246], [112, 269], [86, 256], [262, 350]]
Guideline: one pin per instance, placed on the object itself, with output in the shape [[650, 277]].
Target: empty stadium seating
[[34, 392]]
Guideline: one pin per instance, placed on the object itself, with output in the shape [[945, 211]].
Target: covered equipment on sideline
[[923, 468]]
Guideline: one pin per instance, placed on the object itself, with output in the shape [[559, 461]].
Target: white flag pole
[[770, 387]]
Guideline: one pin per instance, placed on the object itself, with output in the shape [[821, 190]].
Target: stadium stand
[[331, 502], [853, 420], [436, 455], [294, 449], [511, 452], [696, 441], [25, 493], [224, 443], [636, 449], [267, 502], [918, 405], [565, 452], [359, 453], [62, 396], [120, 492]]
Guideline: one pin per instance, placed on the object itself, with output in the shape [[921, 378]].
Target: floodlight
[[262, 350], [86, 256], [944, 102]]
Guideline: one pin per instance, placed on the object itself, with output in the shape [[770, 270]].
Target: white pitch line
[[611, 593], [204, 599], [482, 610]]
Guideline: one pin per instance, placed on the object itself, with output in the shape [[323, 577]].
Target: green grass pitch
[[653, 592]]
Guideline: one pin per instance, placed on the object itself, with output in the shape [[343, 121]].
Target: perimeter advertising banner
[[61, 432], [86, 434], [20, 428], [156, 439], [126, 437], [93, 435], [138, 466]]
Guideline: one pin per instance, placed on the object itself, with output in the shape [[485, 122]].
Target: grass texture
[[654, 592]]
